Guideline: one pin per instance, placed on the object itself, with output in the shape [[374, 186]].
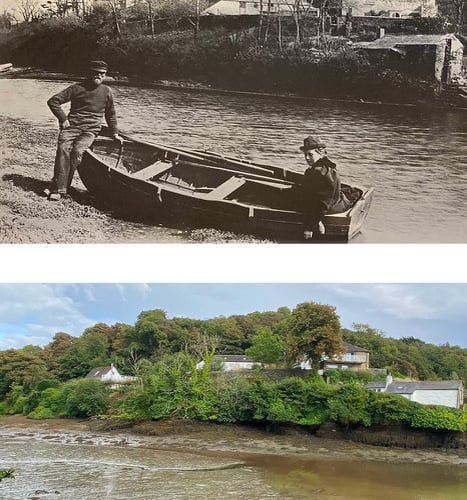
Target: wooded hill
[[154, 335]]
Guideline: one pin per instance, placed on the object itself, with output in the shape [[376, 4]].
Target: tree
[[314, 332], [29, 9], [87, 352], [154, 333], [267, 347], [55, 350]]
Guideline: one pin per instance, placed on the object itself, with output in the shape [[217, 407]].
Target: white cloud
[[399, 300]]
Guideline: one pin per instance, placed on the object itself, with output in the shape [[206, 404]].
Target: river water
[[81, 466], [415, 157]]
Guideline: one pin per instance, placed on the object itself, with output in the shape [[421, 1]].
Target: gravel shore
[[26, 216]]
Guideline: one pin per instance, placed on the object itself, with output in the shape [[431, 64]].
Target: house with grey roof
[[442, 392], [109, 374]]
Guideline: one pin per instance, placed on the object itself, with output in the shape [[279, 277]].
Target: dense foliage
[[242, 57], [163, 354]]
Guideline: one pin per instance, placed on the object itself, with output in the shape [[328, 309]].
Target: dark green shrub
[[88, 398]]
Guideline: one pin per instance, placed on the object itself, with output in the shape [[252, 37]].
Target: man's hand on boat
[[118, 138], [65, 124]]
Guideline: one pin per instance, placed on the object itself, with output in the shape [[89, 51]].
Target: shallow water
[[415, 157], [88, 465]]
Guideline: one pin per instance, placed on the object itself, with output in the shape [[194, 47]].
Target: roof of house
[[391, 41], [223, 7], [235, 358], [353, 348], [410, 387], [376, 385], [99, 371]]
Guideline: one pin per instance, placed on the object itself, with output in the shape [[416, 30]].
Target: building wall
[[391, 8], [229, 367], [433, 397]]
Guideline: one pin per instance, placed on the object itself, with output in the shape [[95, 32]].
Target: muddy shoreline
[[26, 216], [194, 86], [213, 439]]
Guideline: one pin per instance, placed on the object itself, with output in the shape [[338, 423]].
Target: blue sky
[[33, 313]]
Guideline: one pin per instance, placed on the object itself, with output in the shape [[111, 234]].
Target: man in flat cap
[[320, 191], [89, 102]]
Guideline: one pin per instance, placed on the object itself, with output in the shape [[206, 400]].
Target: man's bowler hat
[[311, 142]]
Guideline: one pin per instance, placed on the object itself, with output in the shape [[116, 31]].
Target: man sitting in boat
[[90, 101], [320, 191]]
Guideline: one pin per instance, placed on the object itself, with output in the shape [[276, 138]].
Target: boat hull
[[249, 202]]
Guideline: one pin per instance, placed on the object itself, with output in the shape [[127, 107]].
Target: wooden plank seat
[[157, 168], [226, 188]]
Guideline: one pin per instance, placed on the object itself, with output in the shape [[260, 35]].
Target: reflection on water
[[93, 466], [415, 157]]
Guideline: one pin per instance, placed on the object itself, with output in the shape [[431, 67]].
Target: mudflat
[[218, 439]]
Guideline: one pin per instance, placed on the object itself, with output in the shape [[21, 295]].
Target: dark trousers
[[72, 143]]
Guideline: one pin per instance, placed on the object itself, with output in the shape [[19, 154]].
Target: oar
[[120, 153]]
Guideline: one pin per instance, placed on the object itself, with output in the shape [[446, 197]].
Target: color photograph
[[279, 390]]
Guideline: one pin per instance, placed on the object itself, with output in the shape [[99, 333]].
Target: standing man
[[320, 191], [89, 101]]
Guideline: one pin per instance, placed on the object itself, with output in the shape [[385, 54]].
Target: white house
[[443, 392], [232, 362], [109, 374], [255, 7], [391, 8]]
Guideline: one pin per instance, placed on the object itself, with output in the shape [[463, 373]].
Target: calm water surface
[[415, 158], [90, 466]]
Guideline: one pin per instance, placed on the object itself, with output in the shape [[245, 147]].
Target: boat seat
[[226, 188], [157, 168]]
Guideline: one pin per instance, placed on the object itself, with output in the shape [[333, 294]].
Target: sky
[[33, 313]]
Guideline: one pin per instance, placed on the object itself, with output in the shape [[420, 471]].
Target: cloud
[[407, 301]]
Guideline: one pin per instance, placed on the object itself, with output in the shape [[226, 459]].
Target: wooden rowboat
[[144, 180]]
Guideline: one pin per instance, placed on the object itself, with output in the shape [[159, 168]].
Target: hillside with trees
[[162, 354]]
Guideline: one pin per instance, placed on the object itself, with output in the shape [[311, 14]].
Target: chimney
[[380, 32]]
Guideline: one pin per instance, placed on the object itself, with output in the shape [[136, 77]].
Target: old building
[[391, 8], [443, 392], [254, 8], [438, 57]]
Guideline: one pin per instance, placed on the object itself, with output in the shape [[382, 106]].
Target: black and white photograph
[[194, 121], [233, 390]]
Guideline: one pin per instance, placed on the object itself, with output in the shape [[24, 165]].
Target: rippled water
[[415, 157], [88, 466]]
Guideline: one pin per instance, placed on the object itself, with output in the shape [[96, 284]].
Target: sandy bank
[[211, 438]]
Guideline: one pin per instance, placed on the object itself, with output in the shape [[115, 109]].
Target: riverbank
[[26, 216], [211, 438]]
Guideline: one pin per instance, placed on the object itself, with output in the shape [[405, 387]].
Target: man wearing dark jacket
[[89, 102], [320, 191]]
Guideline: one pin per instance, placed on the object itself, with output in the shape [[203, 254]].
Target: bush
[[87, 398], [392, 408], [351, 405], [439, 417]]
